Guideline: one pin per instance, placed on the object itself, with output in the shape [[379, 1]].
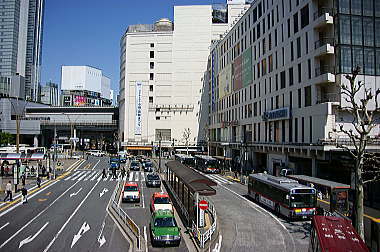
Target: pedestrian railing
[[124, 216], [203, 236]]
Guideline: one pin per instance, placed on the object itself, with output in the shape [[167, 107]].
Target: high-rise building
[[275, 84], [50, 94], [20, 45], [84, 86], [161, 72]]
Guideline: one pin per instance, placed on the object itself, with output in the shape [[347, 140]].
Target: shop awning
[[23, 156]]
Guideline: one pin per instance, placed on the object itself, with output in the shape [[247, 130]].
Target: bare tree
[[186, 137], [363, 108]]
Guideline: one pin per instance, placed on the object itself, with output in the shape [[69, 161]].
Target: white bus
[[206, 164], [23, 149], [283, 195]]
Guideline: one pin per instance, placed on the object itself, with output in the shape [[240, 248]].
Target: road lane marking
[[131, 176], [103, 192], [42, 200], [29, 239], [95, 176], [101, 238], [35, 217], [4, 225], [146, 239], [41, 189], [75, 176], [84, 175], [218, 245], [72, 175], [76, 165], [47, 194], [85, 227], [71, 216], [95, 165], [75, 194], [90, 176]]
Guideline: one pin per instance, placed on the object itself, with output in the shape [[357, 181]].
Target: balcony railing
[[323, 70], [329, 97], [324, 41], [322, 11]]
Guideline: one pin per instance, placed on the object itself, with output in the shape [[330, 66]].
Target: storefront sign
[[138, 118], [277, 114]]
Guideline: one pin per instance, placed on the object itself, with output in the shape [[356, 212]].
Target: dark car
[[153, 180], [135, 166], [148, 166]]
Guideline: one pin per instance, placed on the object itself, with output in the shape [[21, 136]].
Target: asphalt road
[[247, 226], [67, 215], [140, 212]]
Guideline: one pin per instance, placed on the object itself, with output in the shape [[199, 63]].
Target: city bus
[[185, 159], [206, 164], [23, 149], [283, 195], [334, 193], [331, 234]]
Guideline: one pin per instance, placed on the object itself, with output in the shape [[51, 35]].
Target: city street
[[68, 214]]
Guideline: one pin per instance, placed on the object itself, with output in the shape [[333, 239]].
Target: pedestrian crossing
[[96, 175], [218, 179]]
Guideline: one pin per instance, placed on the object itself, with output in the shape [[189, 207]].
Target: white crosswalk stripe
[[90, 175], [218, 179], [95, 176], [78, 175], [72, 175], [130, 176], [142, 176], [84, 175]]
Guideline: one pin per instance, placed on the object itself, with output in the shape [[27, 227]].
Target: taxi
[[160, 201], [131, 193]]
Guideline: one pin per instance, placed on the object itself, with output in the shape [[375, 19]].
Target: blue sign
[[277, 114]]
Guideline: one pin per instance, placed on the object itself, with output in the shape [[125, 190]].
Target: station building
[[161, 71], [273, 84]]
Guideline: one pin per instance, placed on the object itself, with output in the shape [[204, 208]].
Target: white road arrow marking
[[75, 194], [29, 239], [85, 227], [103, 192], [101, 238]]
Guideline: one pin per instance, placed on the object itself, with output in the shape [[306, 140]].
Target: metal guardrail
[[125, 218]]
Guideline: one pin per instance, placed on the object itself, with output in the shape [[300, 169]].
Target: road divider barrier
[[124, 220]]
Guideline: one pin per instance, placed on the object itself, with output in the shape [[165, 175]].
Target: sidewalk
[[31, 182]]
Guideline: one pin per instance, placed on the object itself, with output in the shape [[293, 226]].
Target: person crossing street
[[24, 194], [104, 175], [122, 173], [8, 189], [38, 181]]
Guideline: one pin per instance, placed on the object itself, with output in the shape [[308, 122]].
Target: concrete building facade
[[84, 86], [274, 80], [161, 72], [21, 45], [50, 94]]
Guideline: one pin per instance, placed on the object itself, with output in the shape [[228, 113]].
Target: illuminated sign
[[277, 114]]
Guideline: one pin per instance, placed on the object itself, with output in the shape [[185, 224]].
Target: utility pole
[[17, 133], [55, 149], [159, 151]]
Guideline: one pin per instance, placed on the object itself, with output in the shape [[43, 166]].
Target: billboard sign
[[237, 65], [247, 67], [225, 81], [138, 104]]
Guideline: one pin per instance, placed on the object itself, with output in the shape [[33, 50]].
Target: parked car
[[164, 229], [160, 201], [135, 166], [148, 166], [131, 193], [153, 180]]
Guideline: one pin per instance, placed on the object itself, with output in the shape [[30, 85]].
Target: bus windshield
[[302, 200], [211, 164]]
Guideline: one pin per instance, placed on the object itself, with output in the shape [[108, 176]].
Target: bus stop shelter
[[185, 185]]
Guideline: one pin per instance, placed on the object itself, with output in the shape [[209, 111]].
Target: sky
[[88, 32]]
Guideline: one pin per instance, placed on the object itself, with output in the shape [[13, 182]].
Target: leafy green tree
[[6, 138]]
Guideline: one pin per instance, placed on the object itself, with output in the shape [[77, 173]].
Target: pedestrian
[[24, 194], [8, 189], [104, 173], [235, 172], [23, 179], [122, 173], [43, 170], [114, 173], [38, 181]]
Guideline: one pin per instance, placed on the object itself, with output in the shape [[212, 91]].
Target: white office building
[[161, 73], [273, 84]]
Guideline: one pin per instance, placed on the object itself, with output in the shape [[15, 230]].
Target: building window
[[310, 129], [151, 76], [296, 130], [309, 68], [357, 31], [282, 79], [295, 22], [289, 28], [368, 31], [151, 88], [299, 98], [305, 16], [307, 42], [299, 47], [151, 54], [308, 96], [291, 51], [151, 65], [369, 61], [290, 130], [344, 56], [357, 53], [158, 118], [290, 99], [299, 73], [291, 76], [150, 99], [345, 29]]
